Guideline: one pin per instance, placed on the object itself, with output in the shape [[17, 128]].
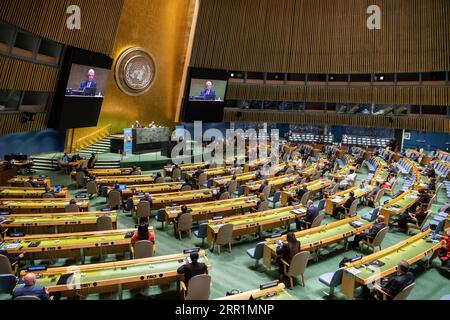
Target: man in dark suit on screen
[[209, 91], [90, 82]]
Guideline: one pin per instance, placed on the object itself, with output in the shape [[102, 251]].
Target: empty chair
[[142, 249], [27, 298], [225, 196], [160, 180], [161, 217], [275, 199], [232, 187], [198, 288], [92, 188], [377, 199], [224, 236], [5, 265], [378, 240], [7, 283], [202, 180], [263, 206], [72, 207], [297, 266], [256, 253], [26, 184], [184, 223], [332, 280], [48, 195], [321, 204], [317, 221], [176, 174], [104, 223], [201, 232], [371, 216], [305, 198], [80, 178], [143, 210], [266, 191], [240, 191], [186, 188], [114, 199]]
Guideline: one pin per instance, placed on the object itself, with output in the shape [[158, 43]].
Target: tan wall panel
[[322, 36], [47, 18], [28, 76], [9, 123]]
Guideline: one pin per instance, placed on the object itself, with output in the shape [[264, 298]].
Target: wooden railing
[[92, 138]]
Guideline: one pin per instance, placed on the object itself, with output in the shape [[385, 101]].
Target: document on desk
[[353, 271]]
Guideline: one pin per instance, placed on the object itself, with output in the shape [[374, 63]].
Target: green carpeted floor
[[233, 270]]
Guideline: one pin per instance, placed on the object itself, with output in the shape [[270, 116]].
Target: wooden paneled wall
[[439, 96], [47, 18], [322, 36], [9, 123], [23, 75], [422, 123]]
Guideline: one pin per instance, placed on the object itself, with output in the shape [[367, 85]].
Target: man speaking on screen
[[90, 82], [208, 92]]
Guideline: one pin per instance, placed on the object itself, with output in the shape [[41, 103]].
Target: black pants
[[358, 238], [300, 224], [403, 221]]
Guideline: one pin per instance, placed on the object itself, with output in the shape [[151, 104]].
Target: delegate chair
[[202, 179], [232, 187], [104, 223], [350, 210], [321, 204], [377, 199], [114, 199], [160, 180], [198, 288], [27, 298], [72, 208], [305, 198], [7, 283], [266, 191], [176, 174], [201, 232], [297, 267], [26, 184], [225, 196], [48, 195], [240, 191], [332, 280], [184, 223], [256, 253], [92, 188], [275, 199], [186, 188], [143, 210], [377, 241], [416, 226], [371, 216], [224, 236], [316, 222], [80, 179], [402, 295], [161, 217], [6, 267], [142, 249], [263, 206]]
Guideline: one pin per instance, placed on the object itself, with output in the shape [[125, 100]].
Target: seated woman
[[142, 233], [286, 251], [416, 217], [389, 182]]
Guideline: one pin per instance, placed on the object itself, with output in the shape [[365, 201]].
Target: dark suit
[[261, 187], [284, 253], [370, 234], [85, 84], [311, 214], [397, 283], [206, 92], [191, 270], [36, 291]]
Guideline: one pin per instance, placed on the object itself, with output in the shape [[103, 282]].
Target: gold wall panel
[[27, 76], [438, 96], [322, 36], [47, 18], [160, 27], [9, 123]]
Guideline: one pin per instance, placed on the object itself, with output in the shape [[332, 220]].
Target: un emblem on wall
[[135, 71]]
